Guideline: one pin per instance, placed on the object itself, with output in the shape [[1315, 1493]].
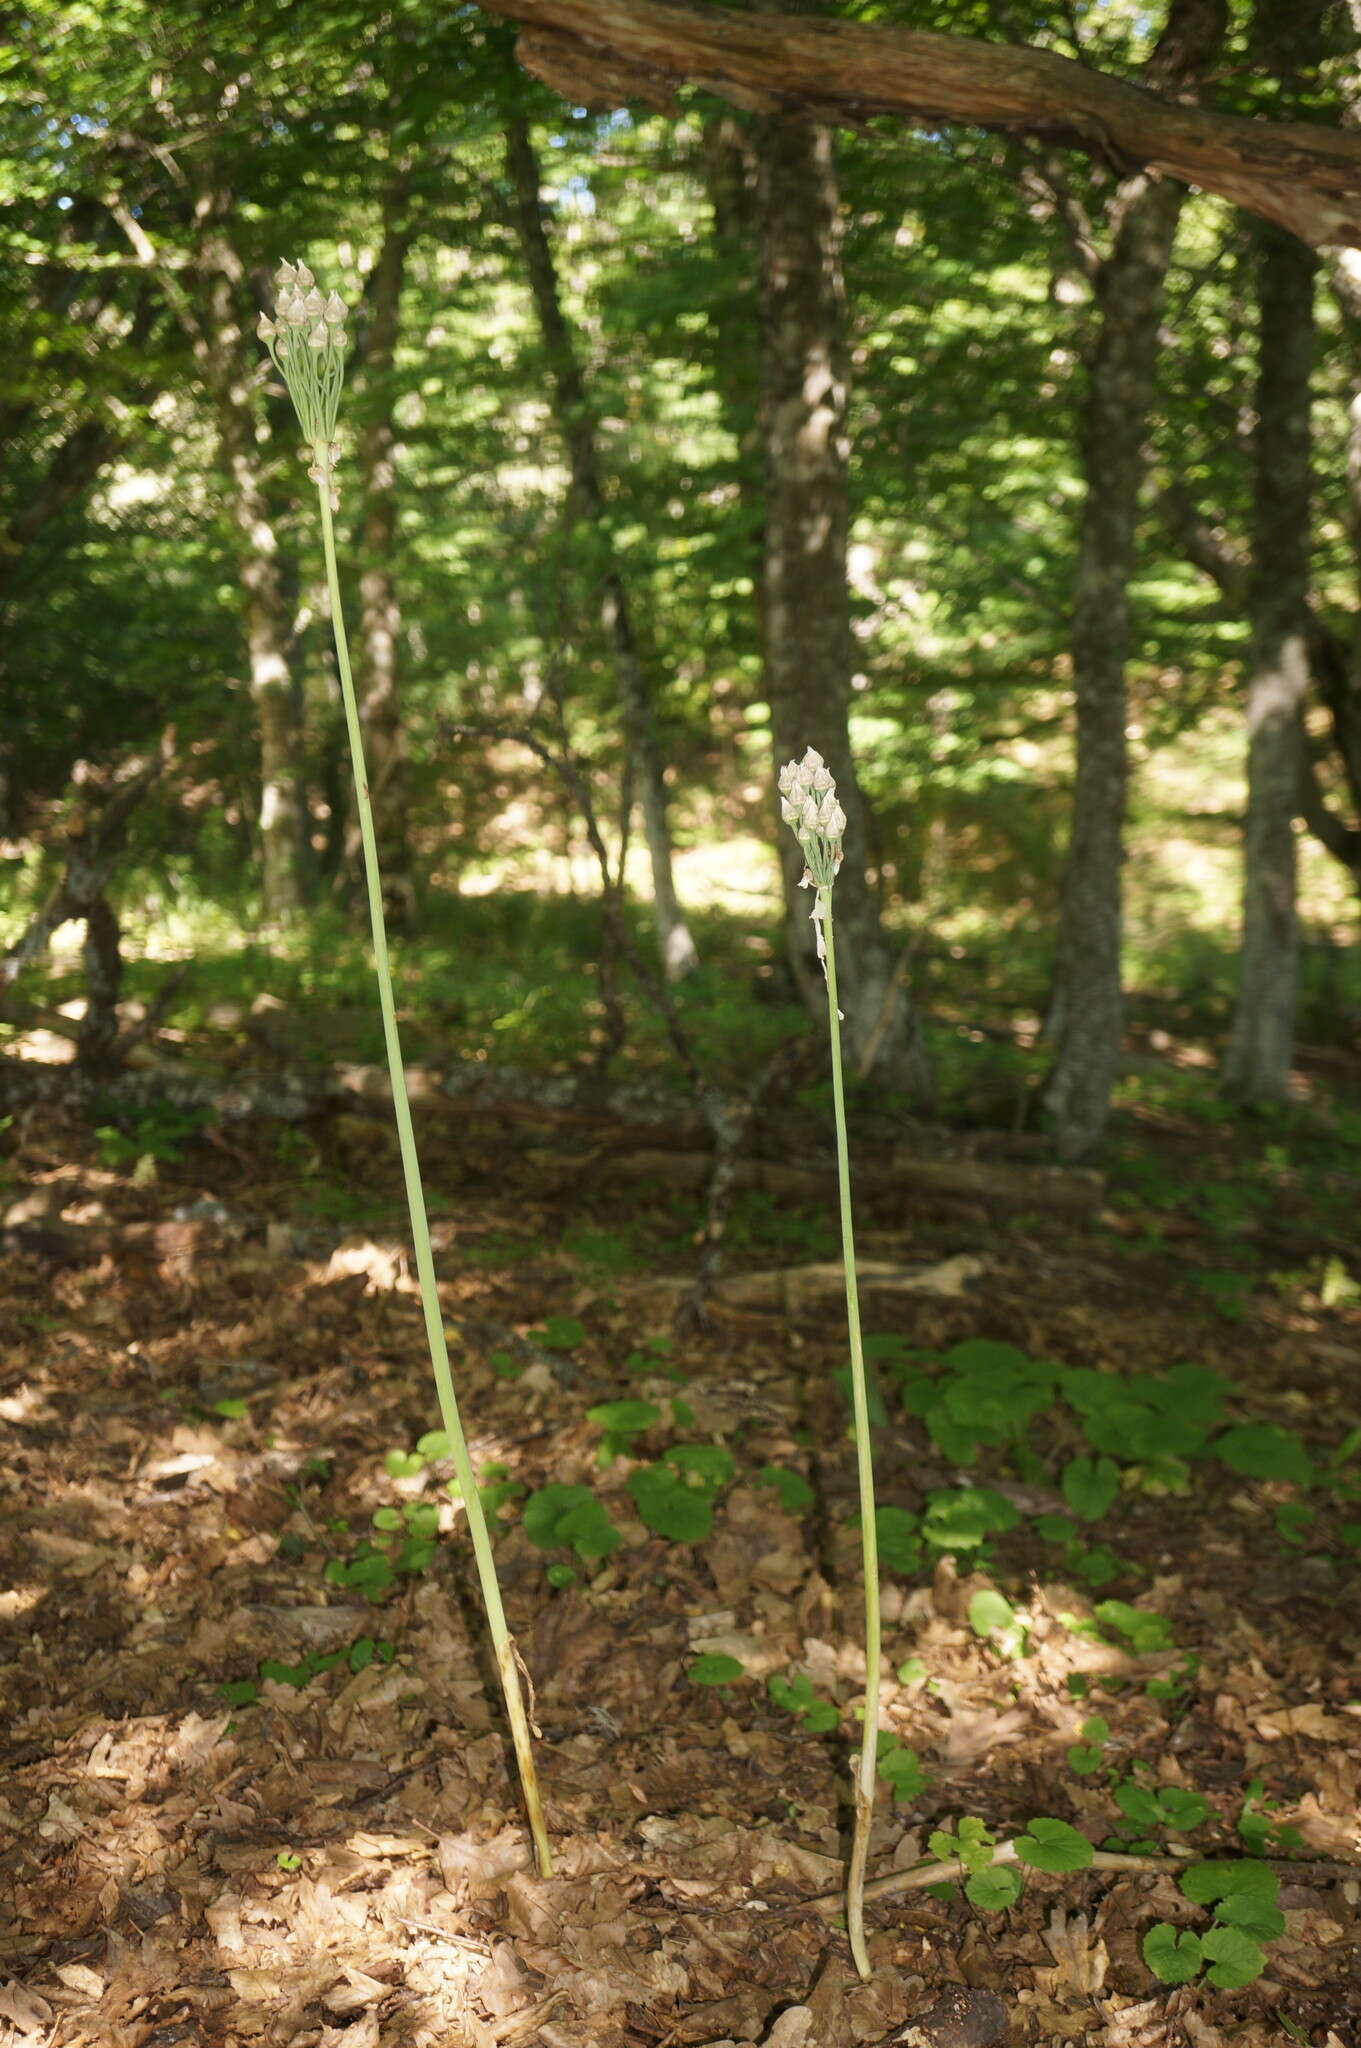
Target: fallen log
[[796, 1290], [972, 1180]]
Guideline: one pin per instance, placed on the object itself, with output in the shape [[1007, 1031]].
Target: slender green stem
[[867, 1770], [506, 1657]]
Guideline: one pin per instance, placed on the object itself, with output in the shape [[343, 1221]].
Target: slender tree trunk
[[577, 427], [1086, 1020], [808, 644], [1262, 1041], [729, 179], [1087, 1017], [226, 358], [380, 616]]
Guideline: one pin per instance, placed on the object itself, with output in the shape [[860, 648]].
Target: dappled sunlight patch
[[345, 1811]]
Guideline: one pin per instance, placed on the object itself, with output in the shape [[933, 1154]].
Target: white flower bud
[[293, 310], [319, 337], [820, 781], [314, 305], [305, 277], [339, 338], [265, 328], [812, 760], [286, 274], [834, 823], [808, 817], [790, 813], [334, 311], [789, 775]]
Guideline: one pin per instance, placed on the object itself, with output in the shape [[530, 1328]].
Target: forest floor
[[256, 1783]]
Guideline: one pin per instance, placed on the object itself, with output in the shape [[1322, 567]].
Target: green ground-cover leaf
[[1054, 1846], [791, 1489], [1090, 1485], [714, 1668], [570, 1517], [668, 1507], [966, 1517], [1259, 1451], [994, 1889], [1173, 1956]]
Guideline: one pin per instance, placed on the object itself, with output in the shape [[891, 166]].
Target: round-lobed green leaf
[[994, 1889], [791, 1488], [1090, 1485], [713, 1668], [1054, 1846], [624, 1417], [1235, 1958], [670, 1508], [1174, 1958], [989, 1611], [1260, 1452]]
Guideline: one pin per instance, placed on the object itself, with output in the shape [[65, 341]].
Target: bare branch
[[602, 52]]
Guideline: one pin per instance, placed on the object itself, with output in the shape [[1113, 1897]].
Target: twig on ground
[[919, 1875]]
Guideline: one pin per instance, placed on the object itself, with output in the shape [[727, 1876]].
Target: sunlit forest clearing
[[680, 1029]]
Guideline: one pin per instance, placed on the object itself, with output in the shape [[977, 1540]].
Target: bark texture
[[577, 426], [602, 52], [1261, 1044], [225, 356], [808, 644], [380, 612], [1087, 1017]]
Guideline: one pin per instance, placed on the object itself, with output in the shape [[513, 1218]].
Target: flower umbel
[[808, 804], [306, 340]]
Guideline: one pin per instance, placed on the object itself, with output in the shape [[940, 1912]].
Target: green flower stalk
[[809, 805], [306, 341]]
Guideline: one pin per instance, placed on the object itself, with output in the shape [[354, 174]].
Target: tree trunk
[[380, 616], [607, 52], [226, 357], [1087, 1016], [577, 427], [728, 169], [808, 644], [1261, 1044]]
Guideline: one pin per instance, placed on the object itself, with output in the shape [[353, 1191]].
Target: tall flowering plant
[[307, 339], [809, 806]]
